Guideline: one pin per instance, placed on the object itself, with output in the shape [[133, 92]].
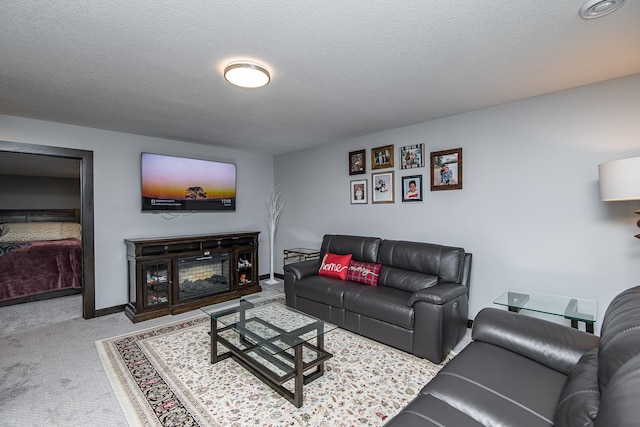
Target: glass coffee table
[[574, 309], [272, 341]]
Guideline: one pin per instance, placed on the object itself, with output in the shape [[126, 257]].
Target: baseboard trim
[[110, 310], [266, 276]]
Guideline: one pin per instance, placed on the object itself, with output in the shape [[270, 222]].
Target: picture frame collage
[[445, 173]]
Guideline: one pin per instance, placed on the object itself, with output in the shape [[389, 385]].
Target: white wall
[[529, 211], [117, 204]]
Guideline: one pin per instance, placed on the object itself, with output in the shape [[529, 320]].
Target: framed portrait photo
[[446, 170], [358, 191], [382, 157], [412, 156], [412, 188], [357, 162], [382, 187]]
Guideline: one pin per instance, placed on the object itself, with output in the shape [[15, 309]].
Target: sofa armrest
[[303, 269], [438, 294], [556, 346]]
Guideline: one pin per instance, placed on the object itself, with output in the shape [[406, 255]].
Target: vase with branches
[[275, 204]]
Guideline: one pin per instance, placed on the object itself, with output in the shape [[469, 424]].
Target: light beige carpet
[[162, 377]]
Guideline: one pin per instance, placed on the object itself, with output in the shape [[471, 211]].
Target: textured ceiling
[[340, 69]]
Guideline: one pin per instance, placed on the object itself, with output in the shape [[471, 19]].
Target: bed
[[40, 255]]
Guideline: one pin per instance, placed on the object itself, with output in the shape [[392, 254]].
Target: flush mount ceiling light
[[597, 8], [247, 74]]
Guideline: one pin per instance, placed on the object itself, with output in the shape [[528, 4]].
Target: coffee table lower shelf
[[251, 351]]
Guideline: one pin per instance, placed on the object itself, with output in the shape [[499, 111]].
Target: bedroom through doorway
[[52, 188]]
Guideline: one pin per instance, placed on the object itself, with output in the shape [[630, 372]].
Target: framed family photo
[[412, 156], [446, 170], [357, 162], [358, 191], [382, 187], [412, 188], [382, 157]]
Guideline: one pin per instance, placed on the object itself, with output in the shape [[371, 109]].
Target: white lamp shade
[[620, 180]]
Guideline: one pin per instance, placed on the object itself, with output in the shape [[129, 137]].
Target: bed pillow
[[364, 272], [335, 265], [34, 231]]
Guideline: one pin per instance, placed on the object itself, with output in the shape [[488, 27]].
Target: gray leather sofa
[[527, 372], [420, 304]]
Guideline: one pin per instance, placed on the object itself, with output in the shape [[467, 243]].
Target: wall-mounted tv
[[182, 184]]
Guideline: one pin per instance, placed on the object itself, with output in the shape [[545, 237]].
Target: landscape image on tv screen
[[181, 184]]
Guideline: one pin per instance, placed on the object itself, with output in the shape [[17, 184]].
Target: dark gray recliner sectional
[[420, 304], [523, 371]]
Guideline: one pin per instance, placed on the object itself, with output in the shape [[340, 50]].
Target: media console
[[177, 274]]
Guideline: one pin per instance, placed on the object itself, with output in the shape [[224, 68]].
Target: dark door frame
[[86, 211]]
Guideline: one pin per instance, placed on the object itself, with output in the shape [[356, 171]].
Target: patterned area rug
[[162, 377]]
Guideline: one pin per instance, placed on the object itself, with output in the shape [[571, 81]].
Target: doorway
[[86, 210]]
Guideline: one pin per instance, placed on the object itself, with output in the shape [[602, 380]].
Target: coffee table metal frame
[[255, 346]]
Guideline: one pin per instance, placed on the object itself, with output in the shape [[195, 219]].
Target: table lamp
[[620, 181]]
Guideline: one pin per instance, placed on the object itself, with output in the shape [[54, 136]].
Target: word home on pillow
[[335, 265]]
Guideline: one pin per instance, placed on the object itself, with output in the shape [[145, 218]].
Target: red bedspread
[[40, 267]]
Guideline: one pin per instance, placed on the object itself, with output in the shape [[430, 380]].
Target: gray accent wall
[[39, 192], [529, 210], [117, 204]]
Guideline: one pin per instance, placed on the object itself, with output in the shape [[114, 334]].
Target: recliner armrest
[[557, 346], [438, 294], [303, 269]]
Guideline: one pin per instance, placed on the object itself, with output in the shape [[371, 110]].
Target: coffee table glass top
[[270, 325], [569, 307]]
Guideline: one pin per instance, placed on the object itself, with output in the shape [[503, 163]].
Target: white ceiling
[[340, 69]]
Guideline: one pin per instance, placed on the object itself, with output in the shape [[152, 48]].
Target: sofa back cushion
[[405, 280], [580, 396], [445, 262], [619, 403], [619, 335], [364, 249]]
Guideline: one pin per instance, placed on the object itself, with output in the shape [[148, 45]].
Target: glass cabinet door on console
[[157, 277], [245, 272]]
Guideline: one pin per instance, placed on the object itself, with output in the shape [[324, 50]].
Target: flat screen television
[[182, 184]]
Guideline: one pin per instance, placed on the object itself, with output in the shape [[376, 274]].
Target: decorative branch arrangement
[[275, 205]]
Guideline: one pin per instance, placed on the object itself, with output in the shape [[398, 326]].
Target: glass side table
[[574, 309], [301, 254]]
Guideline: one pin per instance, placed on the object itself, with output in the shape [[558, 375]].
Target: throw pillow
[[335, 265], [364, 272], [34, 231]]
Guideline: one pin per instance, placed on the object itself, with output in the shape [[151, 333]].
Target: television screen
[[180, 184]]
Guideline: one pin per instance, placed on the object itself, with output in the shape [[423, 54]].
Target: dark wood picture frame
[[382, 157], [357, 162], [446, 170], [407, 194]]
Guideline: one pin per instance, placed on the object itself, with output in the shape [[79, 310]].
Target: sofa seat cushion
[[381, 303], [495, 386], [325, 290]]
